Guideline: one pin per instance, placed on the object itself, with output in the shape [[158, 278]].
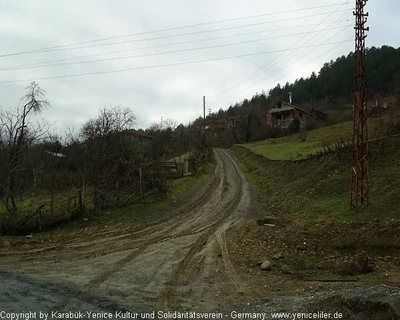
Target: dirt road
[[179, 263]]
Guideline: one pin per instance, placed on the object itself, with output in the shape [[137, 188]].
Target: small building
[[283, 114]]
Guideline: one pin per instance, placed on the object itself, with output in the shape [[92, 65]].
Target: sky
[[159, 58]]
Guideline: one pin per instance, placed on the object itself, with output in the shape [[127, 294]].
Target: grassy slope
[[318, 188], [309, 201], [292, 148], [321, 182]]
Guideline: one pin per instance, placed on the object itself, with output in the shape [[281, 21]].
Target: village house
[[284, 113]]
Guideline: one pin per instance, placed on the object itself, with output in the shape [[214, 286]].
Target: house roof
[[281, 109], [284, 106]]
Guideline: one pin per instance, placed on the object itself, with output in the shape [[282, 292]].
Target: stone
[[266, 265]]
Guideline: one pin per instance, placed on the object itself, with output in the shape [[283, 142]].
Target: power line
[[161, 65], [317, 57], [271, 63], [297, 58], [185, 42], [321, 55], [301, 57], [169, 29], [324, 53], [62, 48], [166, 52], [199, 32]]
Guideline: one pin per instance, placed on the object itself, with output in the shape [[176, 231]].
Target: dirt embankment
[[313, 232], [316, 254]]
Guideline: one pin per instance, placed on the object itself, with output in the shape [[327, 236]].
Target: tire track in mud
[[200, 219], [78, 244], [186, 268], [233, 275], [170, 223], [164, 236], [220, 238]]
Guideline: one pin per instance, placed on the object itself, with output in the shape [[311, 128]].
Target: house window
[[279, 116], [300, 115]]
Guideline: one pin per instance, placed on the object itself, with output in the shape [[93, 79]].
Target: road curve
[[179, 263]]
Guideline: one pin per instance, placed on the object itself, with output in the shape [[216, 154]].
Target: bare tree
[[169, 124], [109, 151], [109, 120], [164, 125], [16, 135]]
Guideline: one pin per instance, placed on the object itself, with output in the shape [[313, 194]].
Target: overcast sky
[[249, 45]]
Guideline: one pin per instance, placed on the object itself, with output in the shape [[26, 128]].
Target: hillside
[[310, 143], [305, 227], [330, 90], [300, 146], [335, 79]]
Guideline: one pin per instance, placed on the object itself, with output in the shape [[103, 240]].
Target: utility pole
[[360, 170], [204, 114]]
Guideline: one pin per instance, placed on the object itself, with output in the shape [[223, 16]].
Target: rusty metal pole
[[360, 169]]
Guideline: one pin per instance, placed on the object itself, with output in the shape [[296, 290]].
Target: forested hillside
[[330, 90], [335, 79]]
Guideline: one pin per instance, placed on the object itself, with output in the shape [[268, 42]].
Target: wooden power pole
[[360, 167], [204, 114]]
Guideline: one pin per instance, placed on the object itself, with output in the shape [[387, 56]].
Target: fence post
[[40, 220], [140, 182], [81, 206]]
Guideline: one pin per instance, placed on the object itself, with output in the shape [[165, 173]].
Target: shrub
[[294, 127]]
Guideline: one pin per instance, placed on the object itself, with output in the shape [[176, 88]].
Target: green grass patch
[[61, 201], [183, 185], [302, 145], [293, 148], [318, 189]]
